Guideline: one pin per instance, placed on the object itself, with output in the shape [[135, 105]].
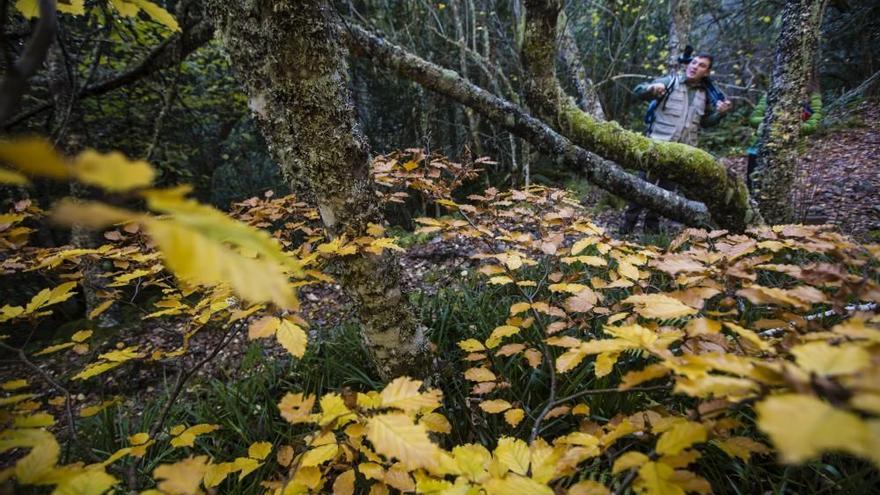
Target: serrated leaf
[[513, 453], [825, 359], [319, 455], [112, 171], [395, 435], [183, 477], [513, 417], [802, 427], [659, 306], [403, 393], [292, 338], [627, 461], [655, 478], [679, 437], [297, 408]]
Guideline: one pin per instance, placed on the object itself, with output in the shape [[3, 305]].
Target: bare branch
[[15, 83]]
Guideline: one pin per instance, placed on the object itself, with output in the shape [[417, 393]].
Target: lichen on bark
[[777, 160], [294, 72]]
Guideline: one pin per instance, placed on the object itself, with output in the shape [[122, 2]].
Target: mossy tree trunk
[[286, 55], [585, 93], [795, 54], [516, 120], [696, 171]]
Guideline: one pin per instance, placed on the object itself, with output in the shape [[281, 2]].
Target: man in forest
[[683, 106]]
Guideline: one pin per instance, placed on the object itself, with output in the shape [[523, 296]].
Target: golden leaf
[[628, 461], [802, 427], [479, 375], [825, 359], [513, 417], [263, 327], [259, 450], [292, 338], [395, 435], [680, 437], [471, 345], [513, 483], [605, 363], [655, 478], [495, 406], [514, 454], [34, 156], [650, 372], [344, 483], [435, 423], [319, 455], [659, 306], [183, 477], [499, 333], [403, 393], [112, 171], [588, 487]]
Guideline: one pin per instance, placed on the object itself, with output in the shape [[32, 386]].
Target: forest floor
[[838, 183], [838, 179]]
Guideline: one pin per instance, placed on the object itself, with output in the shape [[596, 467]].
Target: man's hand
[[723, 106], [657, 89]]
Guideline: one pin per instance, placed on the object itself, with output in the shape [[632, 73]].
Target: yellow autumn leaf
[[514, 483], [245, 466], [216, 473], [12, 178], [182, 477], [14, 384], [403, 393], [656, 478], [479, 375], [319, 455], [292, 338], [588, 487], [803, 427], [112, 171], [344, 483], [395, 435], [500, 333], [628, 461], [605, 363], [37, 420], [157, 13], [514, 454], [825, 359], [85, 482], [513, 417], [659, 306], [435, 423], [81, 336], [95, 409], [679, 437], [495, 406], [471, 345], [297, 408], [201, 260], [34, 156], [187, 437], [40, 460], [259, 450]]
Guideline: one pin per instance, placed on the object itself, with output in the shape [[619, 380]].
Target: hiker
[[682, 103], [811, 116]]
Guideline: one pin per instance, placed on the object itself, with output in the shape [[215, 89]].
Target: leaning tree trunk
[[585, 92], [696, 171], [604, 173], [295, 75], [795, 54]]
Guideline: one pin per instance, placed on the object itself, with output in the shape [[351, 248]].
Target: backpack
[[713, 95]]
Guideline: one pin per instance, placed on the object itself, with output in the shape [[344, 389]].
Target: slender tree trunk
[[585, 93], [679, 30], [295, 75], [795, 54]]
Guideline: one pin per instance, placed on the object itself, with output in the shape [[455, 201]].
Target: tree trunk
[[514, 119], [585, 93], [295, 75], [679, 31], [795, 54], [696, 171]]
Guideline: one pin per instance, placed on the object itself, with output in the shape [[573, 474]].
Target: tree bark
[[514, 119], [295, 75], [795, 53], [679, 31], [585, 93], [696, 171]]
